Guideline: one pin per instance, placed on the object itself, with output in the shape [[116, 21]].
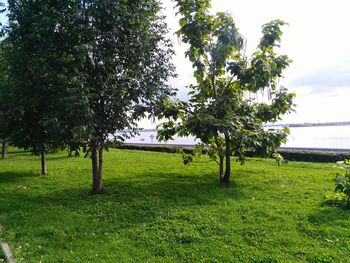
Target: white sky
[[317, 40]]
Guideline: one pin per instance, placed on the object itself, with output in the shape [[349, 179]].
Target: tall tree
[[223, 111], [82, 70], [38, 55], [4, 131], [124, 64]]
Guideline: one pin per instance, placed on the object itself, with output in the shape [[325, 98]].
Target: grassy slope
[[157, 210]]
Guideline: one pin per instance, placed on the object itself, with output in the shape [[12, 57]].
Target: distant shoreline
[[310, 124], [338, 150], [291, 125]]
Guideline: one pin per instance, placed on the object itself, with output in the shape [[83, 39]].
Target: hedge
[[313, 156], [153, 148], [290, 155]]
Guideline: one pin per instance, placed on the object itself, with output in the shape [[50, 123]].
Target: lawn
[[155, 209]]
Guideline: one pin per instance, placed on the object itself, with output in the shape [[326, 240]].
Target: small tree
[[223, 111]]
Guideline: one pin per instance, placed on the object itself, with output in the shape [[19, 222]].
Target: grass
[[155, 209]]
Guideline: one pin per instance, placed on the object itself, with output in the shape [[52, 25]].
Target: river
[[319, 137]]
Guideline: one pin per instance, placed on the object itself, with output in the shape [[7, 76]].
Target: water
[[337, 137]]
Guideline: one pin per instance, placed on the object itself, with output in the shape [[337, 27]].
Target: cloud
[[325, 79]]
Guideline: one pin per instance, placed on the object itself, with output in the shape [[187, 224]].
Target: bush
[[342, 190]]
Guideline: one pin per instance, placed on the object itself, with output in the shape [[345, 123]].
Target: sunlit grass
[[155, 209]]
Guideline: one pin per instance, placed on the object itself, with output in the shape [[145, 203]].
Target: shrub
[[278, 157], [342, 190]]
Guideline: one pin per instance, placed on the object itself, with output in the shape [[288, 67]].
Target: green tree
[[124, 62], [223, 110], [38, 55], [80, 71], [4, 131]]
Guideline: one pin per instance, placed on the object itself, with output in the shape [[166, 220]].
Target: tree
[[124, 64], [38, 57], [82, 70], [223, 110], [4, 131]]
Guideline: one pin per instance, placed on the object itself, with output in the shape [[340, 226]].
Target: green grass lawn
[[155, 209]]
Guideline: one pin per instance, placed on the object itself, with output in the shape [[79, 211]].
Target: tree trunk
[[226, 178], [100, 168], [97, 166], [221, 164], [94, 170], [43, 163], [4, 150]]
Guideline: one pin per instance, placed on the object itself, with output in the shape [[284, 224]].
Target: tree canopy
[[223, 110], [80, 71], [124, 62], [38, 57]]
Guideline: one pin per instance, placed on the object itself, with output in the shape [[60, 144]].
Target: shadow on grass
[[331, 214], [124, 203], [10, 177], [14, 154], [50, 156], [55, 157], [17, 152], [322, 222]]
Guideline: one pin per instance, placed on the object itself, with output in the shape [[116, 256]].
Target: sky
[[317, 40]]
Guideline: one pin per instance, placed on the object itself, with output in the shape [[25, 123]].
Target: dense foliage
[[341, 192], [4, 131], [39, 70], [124, 64], [223, 111], [79, 71], [4, 107]]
